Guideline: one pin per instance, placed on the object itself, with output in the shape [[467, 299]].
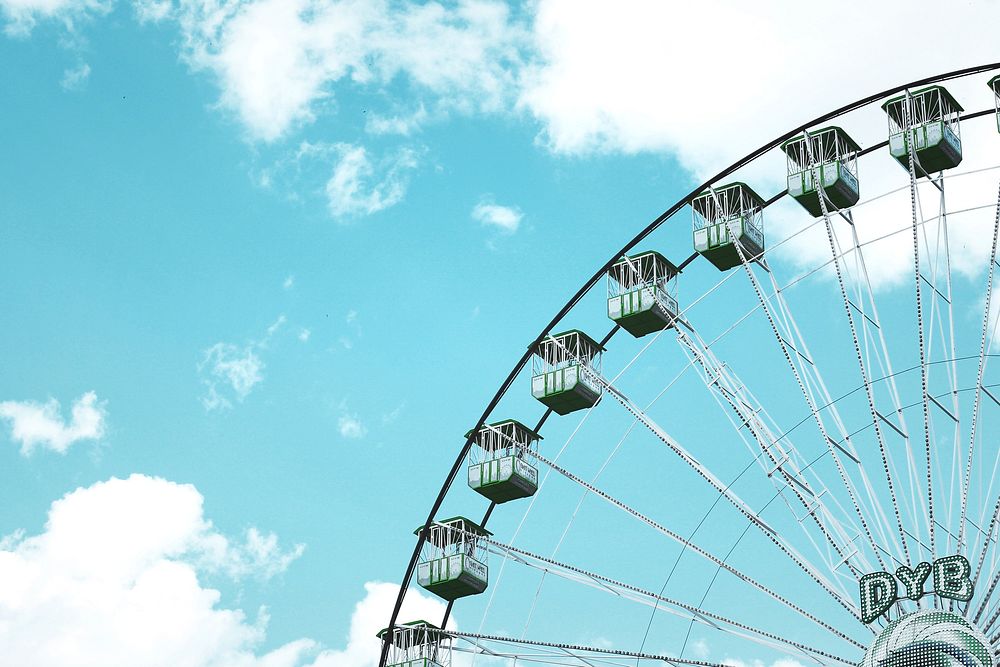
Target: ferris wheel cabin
[[564, 370], [931, 114], [497, 467], [453, 562], [639, 295], [995, 87], [826, 157], [417, 644], [724, 217]]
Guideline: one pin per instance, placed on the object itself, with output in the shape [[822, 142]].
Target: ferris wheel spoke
[[865, 375], [636, 594], [578, 652], [779, 459], [986, 596], [586, 492], [991, 528], [872, 346], [782, 313], [916, 220], [786, 548], [878, 343], [979, 382], [688, 544], [946, 331]]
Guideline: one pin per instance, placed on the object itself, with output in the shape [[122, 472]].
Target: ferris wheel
[[793, 457]]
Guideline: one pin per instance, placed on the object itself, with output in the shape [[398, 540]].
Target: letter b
[[951, 578]]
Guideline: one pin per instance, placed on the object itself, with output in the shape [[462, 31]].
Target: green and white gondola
[[453, 562], [498, 469], [724, 217], [934, 127], [639, 296]]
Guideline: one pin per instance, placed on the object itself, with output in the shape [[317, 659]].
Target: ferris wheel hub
[[930, 638]]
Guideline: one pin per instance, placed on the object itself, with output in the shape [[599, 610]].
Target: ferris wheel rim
[[590, 283]]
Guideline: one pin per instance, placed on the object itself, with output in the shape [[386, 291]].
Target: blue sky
[[265, 262]]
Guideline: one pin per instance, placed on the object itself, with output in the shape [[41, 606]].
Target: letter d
[[878, 593]]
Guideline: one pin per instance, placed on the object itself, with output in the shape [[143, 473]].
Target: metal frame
[[656, 223]]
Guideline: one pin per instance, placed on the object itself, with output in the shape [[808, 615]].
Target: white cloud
[[276, 60], [224, 364], [289, 282], [371, 614], [114, 580], [231, 372], [350, 426], [359, 187], [399, 124], [304, 334], [22, 15], [351, 317], [271, 330], [259, 556], [152, 10], [40, 424], [76, 78], [505, 218], [606, 81]]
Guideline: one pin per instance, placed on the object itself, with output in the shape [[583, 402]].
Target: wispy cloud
[[304, 334], [361, 187], [399, 124], [230, 372], [289, 282], [394, 414], [348, 179], [41, 424], [351, 427], [76, 78], [507, 219]]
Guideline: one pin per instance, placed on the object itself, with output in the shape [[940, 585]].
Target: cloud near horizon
[[115, 579]]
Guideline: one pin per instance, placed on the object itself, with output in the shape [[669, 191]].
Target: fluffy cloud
[[40, 424], [505, 218], [22, 15], [371, 614], [277, 60], [114, 580], [231, 372], [730, 76]]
